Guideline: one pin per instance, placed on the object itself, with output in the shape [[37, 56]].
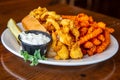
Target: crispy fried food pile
[[73, 36], [94, 36], [65, 35]]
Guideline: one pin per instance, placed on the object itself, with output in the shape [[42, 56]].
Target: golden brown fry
[[58, 46], [54, 41], [65, 38], [90, 36], [36, 13]]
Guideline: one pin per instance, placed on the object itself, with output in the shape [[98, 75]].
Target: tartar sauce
[[34, 39]]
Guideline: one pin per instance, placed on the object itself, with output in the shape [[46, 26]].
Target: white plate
[[11, 44]]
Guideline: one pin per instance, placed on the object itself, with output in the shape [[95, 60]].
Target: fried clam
[[65, 37], [63, 53], [75, 52]]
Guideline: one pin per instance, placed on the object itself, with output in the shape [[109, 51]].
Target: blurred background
[[107, 7]]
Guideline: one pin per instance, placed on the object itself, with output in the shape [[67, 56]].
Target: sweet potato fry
[[96, 41], [101, 37], [91, 51], [111, 30], [88, 44], [90, 36], [105, 44], [101, 25], [83, 31], [68, 17]]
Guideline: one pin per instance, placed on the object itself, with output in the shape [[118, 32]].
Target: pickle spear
[[13, 28]]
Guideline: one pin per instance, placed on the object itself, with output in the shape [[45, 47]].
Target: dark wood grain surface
[[14, 68]]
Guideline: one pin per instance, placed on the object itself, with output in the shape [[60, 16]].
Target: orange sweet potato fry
[[90, 36], [101, 37], [101, 25], [111, 30], [104, 44], [96, 41], [68, 17], [91, 51], [88, 44], [83, 31]]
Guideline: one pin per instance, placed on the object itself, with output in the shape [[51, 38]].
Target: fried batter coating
[[65, 23], [65, 38], [50, 14], [63, 53], [53, 22], [54, 41], [38, 12], [75, 52]]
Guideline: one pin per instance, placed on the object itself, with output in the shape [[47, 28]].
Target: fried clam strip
[[90, 36], [50, 14], [53, 22], [104, 44], [75, 51]]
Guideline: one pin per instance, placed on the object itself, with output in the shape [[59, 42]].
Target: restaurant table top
[[13, 67]]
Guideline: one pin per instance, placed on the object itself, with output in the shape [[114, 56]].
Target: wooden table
[[13, 67]]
